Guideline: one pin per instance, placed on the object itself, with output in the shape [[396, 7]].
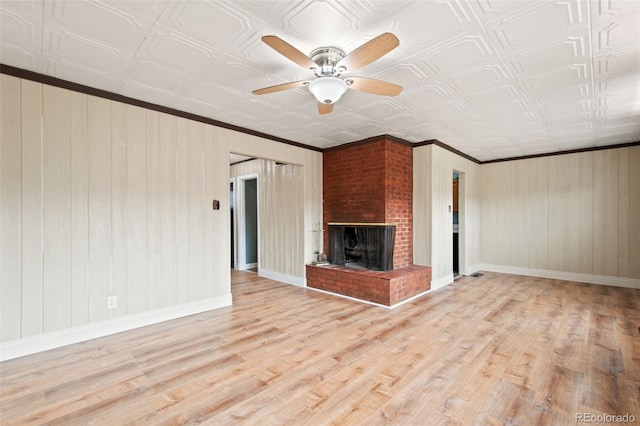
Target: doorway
[[246, 213], [232, 201], [456, 224]]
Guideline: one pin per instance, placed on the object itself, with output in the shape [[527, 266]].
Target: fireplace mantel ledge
[[361, 224]]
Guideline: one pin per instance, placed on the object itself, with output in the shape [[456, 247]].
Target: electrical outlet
[[112, 302]]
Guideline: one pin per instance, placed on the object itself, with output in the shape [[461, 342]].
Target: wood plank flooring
[[499, 349]]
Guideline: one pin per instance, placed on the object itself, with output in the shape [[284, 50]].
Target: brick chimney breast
[[371, 181]]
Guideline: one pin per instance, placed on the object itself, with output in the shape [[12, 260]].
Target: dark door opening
[[456, 224], [231, 204], [251, 222]]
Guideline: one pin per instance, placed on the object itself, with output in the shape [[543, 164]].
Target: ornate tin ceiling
[[491, 78]]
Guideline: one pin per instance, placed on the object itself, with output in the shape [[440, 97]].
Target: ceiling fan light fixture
[[327, 89]]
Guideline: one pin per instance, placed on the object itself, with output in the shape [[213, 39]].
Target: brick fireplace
[[371, 182]]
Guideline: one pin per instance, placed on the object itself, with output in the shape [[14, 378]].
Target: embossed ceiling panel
[[491, 78]]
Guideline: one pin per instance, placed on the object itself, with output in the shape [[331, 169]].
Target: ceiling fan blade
[[289, 52], [324, 108], [377, 87], [370, 51], [280, 87]]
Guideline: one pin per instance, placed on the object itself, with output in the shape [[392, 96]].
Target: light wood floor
[[500, 349]]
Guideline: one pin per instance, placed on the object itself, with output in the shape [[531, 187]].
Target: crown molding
[[571, 151], [65, 84], [76, 87]]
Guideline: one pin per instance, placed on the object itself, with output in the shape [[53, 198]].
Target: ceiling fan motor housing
[[327, 58], [329, 63]]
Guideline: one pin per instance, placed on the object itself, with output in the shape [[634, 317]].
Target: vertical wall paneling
[[100, 207], [634, 212], [99, 198], [296, 177], [472, 219], [167, 283], [312, 200], [583, 213], [443, 198], [221, 250], [136, 299], [10, 209], [598, 212], [208, 235], [525, 218], [422, 205], [581, 207], [182, 209], [610, 231], [57, 209], [118, 207], [564, 204], [32, 218], [279, 182], [268, 188], [153, 211], [196, 216], [496, 181], [540, 197], [79, 210], [490, 209], [267, 199], [510, 219], [290, 217], [623, 213], [571, 212], [553, 212], [556, 230]]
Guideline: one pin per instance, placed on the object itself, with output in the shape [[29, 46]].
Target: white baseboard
[[344, 296], [473, 269], [42, 342], [285, 278], [245, 266], [441, 282], [412, 298], [355, 299], [567, 276]]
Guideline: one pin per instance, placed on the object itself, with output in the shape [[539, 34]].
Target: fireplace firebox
[[362, 245]]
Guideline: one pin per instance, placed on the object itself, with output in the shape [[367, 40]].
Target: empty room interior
[[320, 212]]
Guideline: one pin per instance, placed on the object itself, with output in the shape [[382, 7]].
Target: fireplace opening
[[367, 246], [353, 248]]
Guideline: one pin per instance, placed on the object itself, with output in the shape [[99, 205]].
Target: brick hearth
[[385, 288]]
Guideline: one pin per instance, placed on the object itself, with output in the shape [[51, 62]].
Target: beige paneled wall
[[572, 213], [281, 214], [99, 198], [11, 212], [422, 178], [433, 222]]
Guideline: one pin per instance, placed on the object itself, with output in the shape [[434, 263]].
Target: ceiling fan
[[329, 64]]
